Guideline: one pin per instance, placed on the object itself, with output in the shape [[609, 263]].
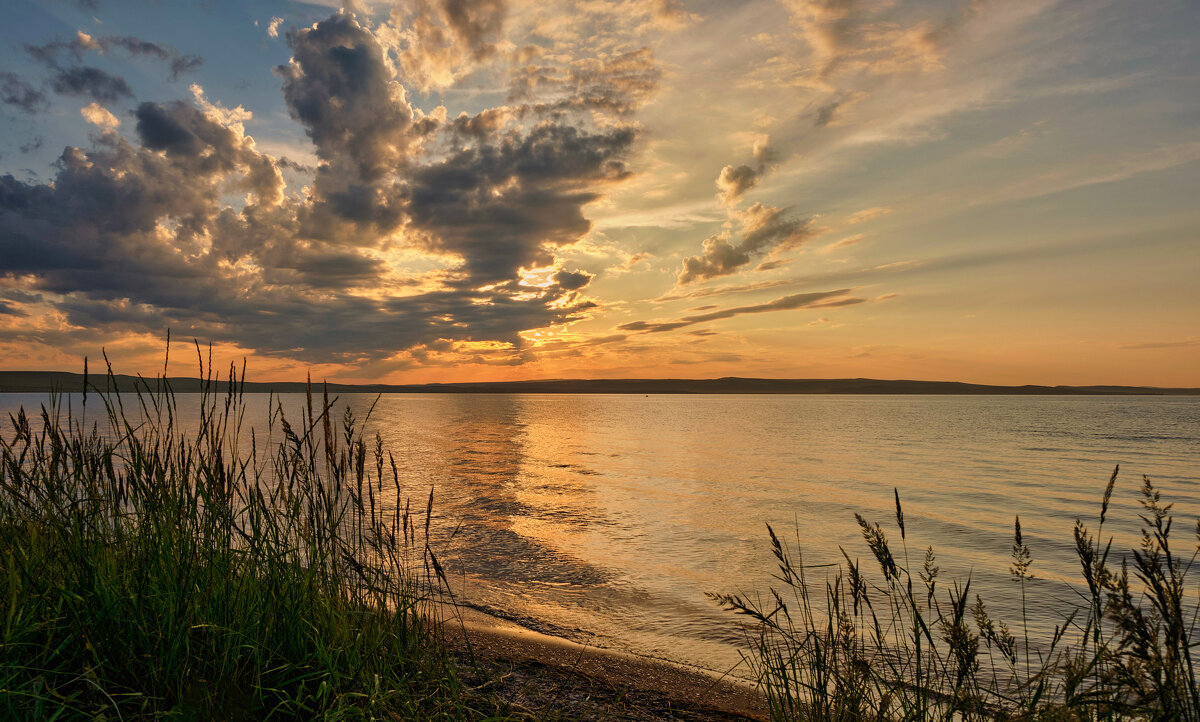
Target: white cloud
[[99, 116]]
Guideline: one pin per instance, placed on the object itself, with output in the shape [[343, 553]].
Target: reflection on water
[[606, 518], [492, 504]]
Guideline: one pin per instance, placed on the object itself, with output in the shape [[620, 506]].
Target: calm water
[[605, 519]]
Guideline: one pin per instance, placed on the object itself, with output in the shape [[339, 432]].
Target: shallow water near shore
[[605, 518]]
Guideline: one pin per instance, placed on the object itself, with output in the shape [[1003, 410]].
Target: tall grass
[[899, 644], [151, 572]]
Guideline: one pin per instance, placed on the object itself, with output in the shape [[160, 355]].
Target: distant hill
[[47, 381]]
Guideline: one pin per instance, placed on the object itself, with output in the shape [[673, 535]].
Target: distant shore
[[66, 382]]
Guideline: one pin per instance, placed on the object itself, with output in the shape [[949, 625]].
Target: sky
[[999, 191]]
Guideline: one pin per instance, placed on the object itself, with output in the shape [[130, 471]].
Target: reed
[[149, 573], [901, 645]]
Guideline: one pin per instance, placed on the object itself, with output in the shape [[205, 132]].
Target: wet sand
[[547, 675]]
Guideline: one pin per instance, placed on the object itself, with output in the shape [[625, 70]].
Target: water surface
[[605, 518]]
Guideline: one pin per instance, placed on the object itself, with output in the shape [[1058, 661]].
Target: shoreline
[[544, 673], [67, 381]]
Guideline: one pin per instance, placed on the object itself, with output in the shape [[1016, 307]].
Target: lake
[[606, 518]]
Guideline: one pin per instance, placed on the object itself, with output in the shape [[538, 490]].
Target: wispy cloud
[[1182, 343], [820, 299], [1096, 170], [867, 214]]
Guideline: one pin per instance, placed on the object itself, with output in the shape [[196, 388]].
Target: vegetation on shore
[[150, 573], [152, 569], [902, 645]]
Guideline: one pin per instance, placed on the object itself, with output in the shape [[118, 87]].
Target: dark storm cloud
[[334, 270], [94, 238], [506, 204], [90, 82], [141, 234], [19, 296], [16, 92], [98, 229], [186, 134], [572, 280], [340, 88], [160, 131], [820, 299]]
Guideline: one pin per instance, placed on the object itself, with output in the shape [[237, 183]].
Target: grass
[[898, 644], [149, 573]]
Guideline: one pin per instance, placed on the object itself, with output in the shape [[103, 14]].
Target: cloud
[[476, 23], [710, 358], [617, 82], [16, 92], [772, 264], [1096, 170], [630, 263], [273, 27], [867, 214], [824, 114], [90, 82], [49, 55], [506, 204], [843, 37], [186, 225], [844, 243], [134, 46], [339, 86], [819, 299], [98, 84], [438, 41], [1184, 343], [184, 64], [572, 280], [734, 181], [99, 116], [764, 228]]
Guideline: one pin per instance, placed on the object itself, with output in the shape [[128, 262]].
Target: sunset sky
[[452, 190]]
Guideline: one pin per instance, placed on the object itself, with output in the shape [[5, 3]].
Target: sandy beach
[[558, 678]]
